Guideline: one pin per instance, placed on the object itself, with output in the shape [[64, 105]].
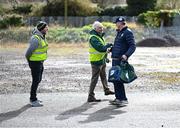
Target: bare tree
[[105, 3], [13, 3], [169, 4]]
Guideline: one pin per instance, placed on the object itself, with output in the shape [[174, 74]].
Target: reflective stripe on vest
[[95, 55], [40, 53]]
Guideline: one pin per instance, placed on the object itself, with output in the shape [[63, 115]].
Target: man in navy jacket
[[124, 47]]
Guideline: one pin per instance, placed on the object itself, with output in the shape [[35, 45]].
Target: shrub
[[37, 9], [23, 9], [75, 8], [15, 35], [149, 19], [1, 10], [135, 7], [117, 11], [67, 35], [77, 35], [11, 20], [4, 10], [59, 34], [107, 25], [155, 18], [168, 4]]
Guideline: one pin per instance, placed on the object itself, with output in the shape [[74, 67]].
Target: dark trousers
[[119, 86], [36, 72], [96, 72]]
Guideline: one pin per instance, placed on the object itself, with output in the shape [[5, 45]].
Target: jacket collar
[[35, 31], [122, 29]]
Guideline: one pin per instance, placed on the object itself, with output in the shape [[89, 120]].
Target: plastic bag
[[122, 73]]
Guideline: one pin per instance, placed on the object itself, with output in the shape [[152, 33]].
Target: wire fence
[[74, 21]]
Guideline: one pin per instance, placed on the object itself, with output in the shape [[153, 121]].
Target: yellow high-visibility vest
[[95, 55], [40, 53]]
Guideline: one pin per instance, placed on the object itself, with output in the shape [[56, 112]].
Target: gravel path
[[157, 69]]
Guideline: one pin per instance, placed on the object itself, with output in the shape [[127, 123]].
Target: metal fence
[[74, 21], [81, 21]]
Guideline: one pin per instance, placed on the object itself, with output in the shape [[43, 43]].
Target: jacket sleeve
[[98, 46], [33, 45], [131, 43]]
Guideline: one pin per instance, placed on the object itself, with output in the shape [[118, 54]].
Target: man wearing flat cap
[[97, 57], [124, 47], [36, 54]]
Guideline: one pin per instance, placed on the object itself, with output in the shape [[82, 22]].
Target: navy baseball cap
[[120, 19]]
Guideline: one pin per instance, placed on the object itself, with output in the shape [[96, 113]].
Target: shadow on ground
[[103, 114], [99, 115], [13, 114], [75, 111]]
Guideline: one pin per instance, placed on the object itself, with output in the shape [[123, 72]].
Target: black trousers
[[120, 93], [36, 72]]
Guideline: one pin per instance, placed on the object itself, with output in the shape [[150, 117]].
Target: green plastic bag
[[127, 74], [122, 73]]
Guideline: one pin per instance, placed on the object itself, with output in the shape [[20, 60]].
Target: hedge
[[155, 18]]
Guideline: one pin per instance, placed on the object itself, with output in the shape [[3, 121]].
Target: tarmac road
[[70, 110]]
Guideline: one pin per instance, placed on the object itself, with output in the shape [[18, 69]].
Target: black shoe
[[93, 100], [109, 92]]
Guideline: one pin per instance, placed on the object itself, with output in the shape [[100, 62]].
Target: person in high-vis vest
[[36, 54], [97, 57]]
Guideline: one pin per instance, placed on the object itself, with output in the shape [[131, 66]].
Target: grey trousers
[[96, 72]]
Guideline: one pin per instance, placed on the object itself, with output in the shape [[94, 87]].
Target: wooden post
[[65, 12]]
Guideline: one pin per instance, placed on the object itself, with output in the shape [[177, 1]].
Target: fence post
[[65, 12]]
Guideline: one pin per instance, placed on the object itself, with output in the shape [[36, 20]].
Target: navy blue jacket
[[124, 43]]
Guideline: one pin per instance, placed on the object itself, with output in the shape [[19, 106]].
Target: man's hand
[[109, 50], [109, 45], [107, 60], [124, 57]]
